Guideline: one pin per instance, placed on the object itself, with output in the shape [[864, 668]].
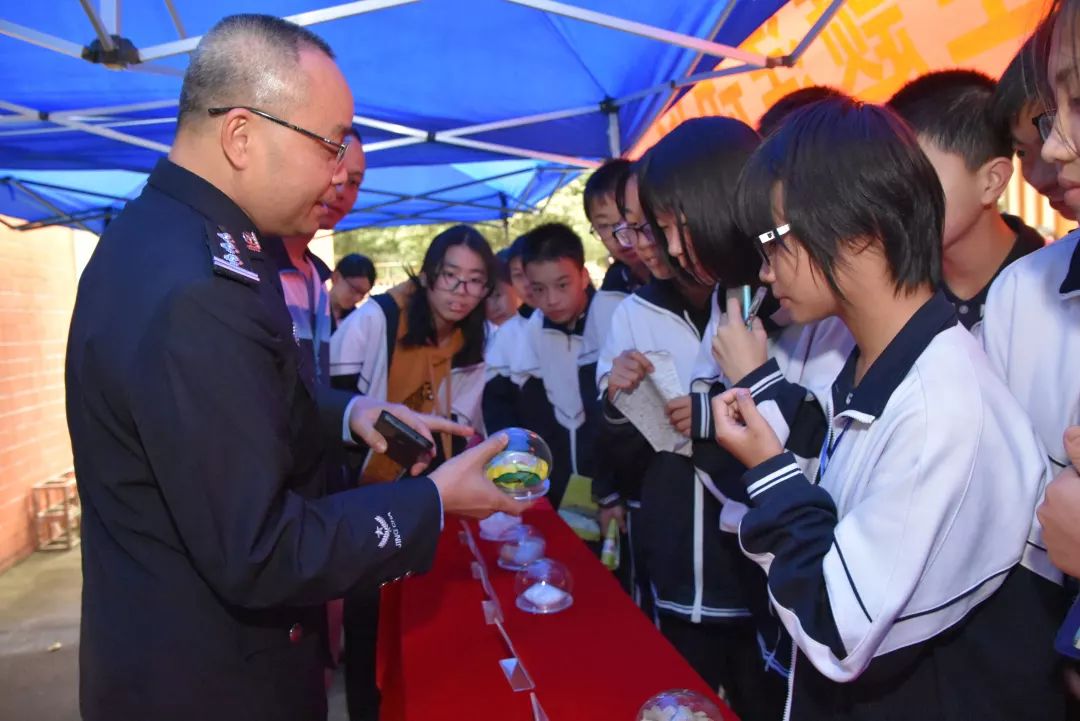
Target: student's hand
[[742, 430], [1072, 446], [738, 350], [464, 488], [366, 411], [680, 414], [1059, 515], [627, 371], [615, 513]]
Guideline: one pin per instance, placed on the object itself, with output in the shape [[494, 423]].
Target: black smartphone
[[404, 445]]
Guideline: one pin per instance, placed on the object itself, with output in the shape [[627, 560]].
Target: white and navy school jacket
[[545, 381], [363, 345], [694, 568], [1031, 332], [902, 569], [807, 355]]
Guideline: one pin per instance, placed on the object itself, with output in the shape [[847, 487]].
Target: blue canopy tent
[[470, 109]]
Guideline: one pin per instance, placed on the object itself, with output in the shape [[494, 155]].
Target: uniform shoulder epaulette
[[230, 258]]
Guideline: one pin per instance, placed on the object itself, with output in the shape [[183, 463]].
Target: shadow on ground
[[39, 640]]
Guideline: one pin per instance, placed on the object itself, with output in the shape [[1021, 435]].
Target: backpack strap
[[393, 318]]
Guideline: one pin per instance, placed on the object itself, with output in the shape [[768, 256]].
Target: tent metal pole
[[176, 21], [110, 15], [388, 144], [613, 136], [520, 152], [99, 27], [635, 28], [673, 89], [65, 188], [518, 122], [312, 17], [814, 31], [54, 131], [505, 219], [93, 130], [48, 205], [395, 128], [43, 40], [111, 109]]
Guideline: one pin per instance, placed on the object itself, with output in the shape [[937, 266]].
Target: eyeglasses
[[629, 233], [450, 282], [771, 236], [599, 230], [1044, 123], [337, 147]]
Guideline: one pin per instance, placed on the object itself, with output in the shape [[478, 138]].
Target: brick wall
[[38, 272]]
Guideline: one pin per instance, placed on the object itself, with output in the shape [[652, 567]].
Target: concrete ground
[[39, 640]]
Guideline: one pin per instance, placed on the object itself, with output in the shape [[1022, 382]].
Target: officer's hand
[[464, 488], [627, 371], [366, 411]]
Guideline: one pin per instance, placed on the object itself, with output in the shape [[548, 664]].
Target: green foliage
[[403, 247]]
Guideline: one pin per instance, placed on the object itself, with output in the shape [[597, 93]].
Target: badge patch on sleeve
[[229, 259]]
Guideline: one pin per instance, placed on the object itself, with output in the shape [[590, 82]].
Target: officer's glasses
[[335, 146]]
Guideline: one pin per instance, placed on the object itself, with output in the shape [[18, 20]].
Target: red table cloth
[[599, 660]]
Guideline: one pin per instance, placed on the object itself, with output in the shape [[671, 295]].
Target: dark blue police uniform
[[200, 440]]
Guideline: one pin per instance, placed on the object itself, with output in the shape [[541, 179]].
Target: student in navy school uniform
[[971, 150], [696, 571], [547, 380], [907, 570], [1032, 327]]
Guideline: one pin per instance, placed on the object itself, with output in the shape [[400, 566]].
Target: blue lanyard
[[828, 452]]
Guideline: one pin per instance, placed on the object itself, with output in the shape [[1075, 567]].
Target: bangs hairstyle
[[604, 181], [421, 325], [1062, 19], [1017, 88], [951, 109], [692, 172], [850, 175]]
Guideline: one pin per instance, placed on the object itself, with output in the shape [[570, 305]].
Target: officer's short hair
[[245, 60]]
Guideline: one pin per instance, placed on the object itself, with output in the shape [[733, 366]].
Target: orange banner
[[869, 49]]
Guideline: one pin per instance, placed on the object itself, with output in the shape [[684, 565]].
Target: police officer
[[198, 433]]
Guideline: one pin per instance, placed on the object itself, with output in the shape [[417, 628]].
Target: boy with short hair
[[546, 381], [627, 273], [972, 154], [1015, 105]]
